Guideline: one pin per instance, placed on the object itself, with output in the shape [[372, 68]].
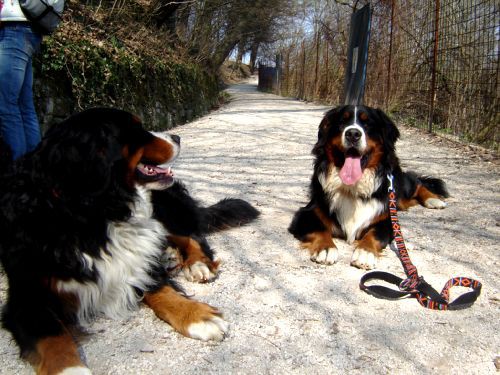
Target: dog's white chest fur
[[353, 209], [134, 247]]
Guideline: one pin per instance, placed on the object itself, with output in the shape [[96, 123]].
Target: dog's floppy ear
[[75, 163], [322, 136], [331, 118], [389, 129]]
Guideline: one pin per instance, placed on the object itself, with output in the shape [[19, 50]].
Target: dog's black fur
[[183, 215], [5, 156]]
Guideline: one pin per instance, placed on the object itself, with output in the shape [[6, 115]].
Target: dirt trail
[[289, 315]]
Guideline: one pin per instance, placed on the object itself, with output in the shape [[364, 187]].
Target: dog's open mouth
[[153, 173], [352, 170]]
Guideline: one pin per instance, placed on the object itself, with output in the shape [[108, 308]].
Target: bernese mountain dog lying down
[[85, 221], [348, 195], [5, 156]]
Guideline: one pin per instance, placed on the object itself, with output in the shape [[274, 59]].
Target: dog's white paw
[[435, 203], [80, 370], [364, 259], [213, 329], [198, 272], [326, 256]]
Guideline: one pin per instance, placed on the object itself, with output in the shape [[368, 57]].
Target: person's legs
[[13, 62], [18, 120], [27, 107]]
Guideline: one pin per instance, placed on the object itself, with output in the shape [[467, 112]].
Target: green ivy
[[110, 74]]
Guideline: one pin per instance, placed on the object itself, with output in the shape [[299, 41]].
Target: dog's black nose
[[176, 139], [353, 135]]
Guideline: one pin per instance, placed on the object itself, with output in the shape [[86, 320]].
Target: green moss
[[163, 92]]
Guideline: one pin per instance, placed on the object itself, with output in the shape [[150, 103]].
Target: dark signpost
[[357, 56]]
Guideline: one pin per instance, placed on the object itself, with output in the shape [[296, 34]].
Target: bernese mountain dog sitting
[[85, 219], [348, 195]]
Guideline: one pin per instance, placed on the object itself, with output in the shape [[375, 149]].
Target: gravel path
[[289, 315]]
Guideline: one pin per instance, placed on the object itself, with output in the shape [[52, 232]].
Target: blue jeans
[[18, 121]]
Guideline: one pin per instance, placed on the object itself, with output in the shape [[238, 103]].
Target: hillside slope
[[106, 54]]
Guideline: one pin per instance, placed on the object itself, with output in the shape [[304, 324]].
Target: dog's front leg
[[314, 231], [58, 355], [369, 247], [190, 318]]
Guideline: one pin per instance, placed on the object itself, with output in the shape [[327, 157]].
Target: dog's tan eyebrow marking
[[136, 119], [324, 123], [363, 116]]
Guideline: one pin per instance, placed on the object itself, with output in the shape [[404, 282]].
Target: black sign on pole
[[357, 56]]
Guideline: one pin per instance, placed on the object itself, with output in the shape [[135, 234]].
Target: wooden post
[[327, 73], [296, 86], [389, 65], [317, 66], [287, 71], [434, 64], [303, 72]]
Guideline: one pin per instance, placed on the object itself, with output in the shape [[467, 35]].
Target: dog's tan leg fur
[[424, 197], [55, 354], [320, 244], [318, 241], [368, 250], [196, 265], [193, 251], [190, 318]]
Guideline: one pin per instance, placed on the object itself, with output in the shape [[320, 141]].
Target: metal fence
[[433, 63]]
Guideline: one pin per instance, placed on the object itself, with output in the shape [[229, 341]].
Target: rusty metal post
[[317, 65], [389, 65], [327, 78], [303, 78], [296, 86], [287, 71], [434, 64]]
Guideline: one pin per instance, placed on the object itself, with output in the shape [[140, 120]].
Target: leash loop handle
[[425, 294], [415, 285]]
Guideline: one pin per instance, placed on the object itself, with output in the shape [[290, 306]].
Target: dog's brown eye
[[363, 116], [346, 115]]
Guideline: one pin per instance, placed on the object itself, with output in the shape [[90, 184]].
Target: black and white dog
[[348, 195], [84, 233]]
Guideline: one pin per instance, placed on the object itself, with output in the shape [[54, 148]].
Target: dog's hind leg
[[431, 192], [190, 318], [424, 197], [426, 191], [196, 265]]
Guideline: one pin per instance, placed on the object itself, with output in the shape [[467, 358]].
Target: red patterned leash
[[415, 285]]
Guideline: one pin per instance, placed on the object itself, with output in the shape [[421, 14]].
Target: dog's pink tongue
[[351, 171]]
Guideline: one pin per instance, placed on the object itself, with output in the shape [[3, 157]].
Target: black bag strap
[[414, 285], [48, 9]]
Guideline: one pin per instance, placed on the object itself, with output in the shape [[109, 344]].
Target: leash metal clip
[[410, 284], [390, 177]]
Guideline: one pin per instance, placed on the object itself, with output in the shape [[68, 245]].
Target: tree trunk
[[241, 52], [254, 49], [222, 52], [164, 14]]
